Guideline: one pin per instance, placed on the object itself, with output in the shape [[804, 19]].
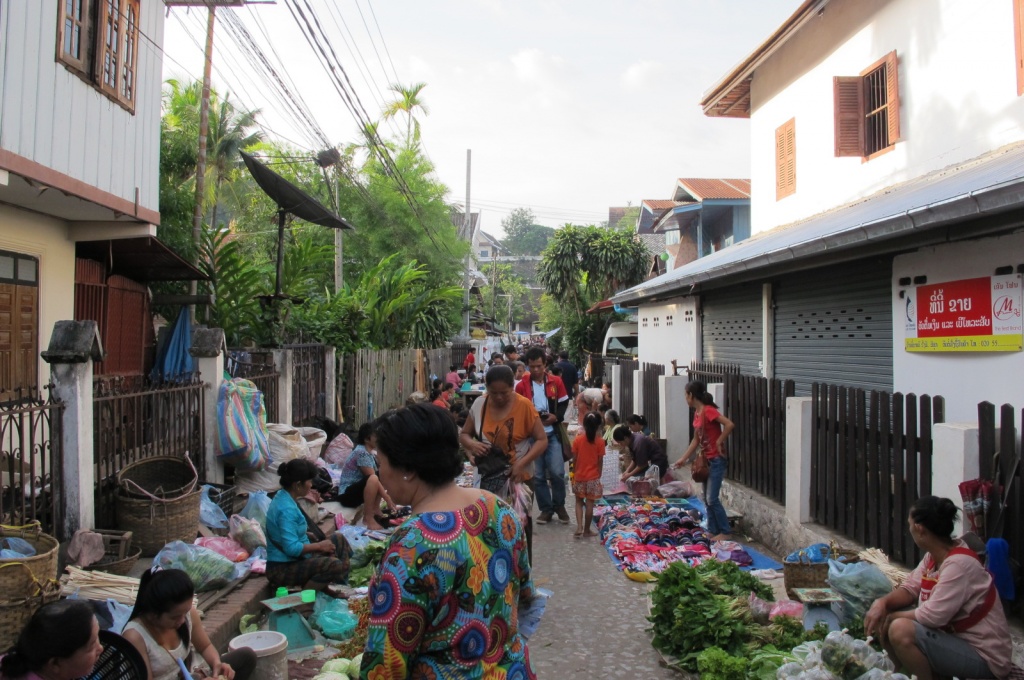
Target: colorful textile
[[445, 598], [591, 490], [350, 470]]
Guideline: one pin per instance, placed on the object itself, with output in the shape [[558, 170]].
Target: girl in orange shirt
[[588, 456]]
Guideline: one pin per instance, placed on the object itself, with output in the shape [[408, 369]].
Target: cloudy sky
[[569, 106]]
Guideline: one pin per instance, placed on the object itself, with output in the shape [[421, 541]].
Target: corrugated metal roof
[[703, 189], [989, 184]]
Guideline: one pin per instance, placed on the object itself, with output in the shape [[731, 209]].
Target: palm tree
[[231, 130], [408, 101]]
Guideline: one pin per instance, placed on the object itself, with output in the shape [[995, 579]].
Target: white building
[[887, 173]]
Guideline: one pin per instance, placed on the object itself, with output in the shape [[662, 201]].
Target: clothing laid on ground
[[286, 536], [958, 597], [446, 596], [163, 662], [350, 469]]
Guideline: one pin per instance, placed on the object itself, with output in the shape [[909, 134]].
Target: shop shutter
[[732, 327], [834, 325]]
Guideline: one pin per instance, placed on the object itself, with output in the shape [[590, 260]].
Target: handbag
[[700, 470], [495, 461]]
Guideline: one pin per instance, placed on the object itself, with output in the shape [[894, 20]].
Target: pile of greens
[[360, 576], [701, 616]]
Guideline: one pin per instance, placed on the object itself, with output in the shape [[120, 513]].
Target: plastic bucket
[[271, 650]]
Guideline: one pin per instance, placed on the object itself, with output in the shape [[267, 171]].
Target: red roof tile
[[703, 189], [659, 204]]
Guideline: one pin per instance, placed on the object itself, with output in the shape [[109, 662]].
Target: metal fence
[[31, 461], [258, 366], [309, 383], [757, 447], [626, 368], [134, 419], [459, 352], [999, 462], [871, 459], [652, 396]]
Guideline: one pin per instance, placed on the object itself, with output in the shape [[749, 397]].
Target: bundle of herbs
[[694, 609]]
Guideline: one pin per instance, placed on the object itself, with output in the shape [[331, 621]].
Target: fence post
[[285, 366], [638, 392], [208, 351], [674, 414], [799, 434], [330, 383], [955, 458], [616, 378], [74, 346]]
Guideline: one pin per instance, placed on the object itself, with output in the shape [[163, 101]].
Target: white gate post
[[955, 459], [674, 415], [208, 350], [74, 346], [616, 378], [638, 392], [283, 362], [798, 459]]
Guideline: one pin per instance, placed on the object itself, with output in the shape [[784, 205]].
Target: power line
[[382, 41]]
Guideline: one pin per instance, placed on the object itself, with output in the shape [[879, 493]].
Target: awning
[[982, 187], [602, 306], [142, 259]]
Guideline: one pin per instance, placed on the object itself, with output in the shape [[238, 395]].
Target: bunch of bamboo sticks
[[98, 585], [878, 558]]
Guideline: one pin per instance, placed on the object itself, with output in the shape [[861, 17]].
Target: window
[[99, 40], [672, 237], [1018, 39], [485, 253], [785, 159], [867, 109], [19, 323]]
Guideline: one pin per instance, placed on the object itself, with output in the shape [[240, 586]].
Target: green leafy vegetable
[[715, 664]]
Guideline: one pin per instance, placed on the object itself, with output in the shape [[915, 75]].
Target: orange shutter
[[892, 87], [19, 337], [785, 159], [1018, 39], [848, 94]]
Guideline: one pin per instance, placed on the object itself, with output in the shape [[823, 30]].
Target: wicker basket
[[40, 568], [812, 575], [15, 613], [158, 501], [113, 565], [118, 556]]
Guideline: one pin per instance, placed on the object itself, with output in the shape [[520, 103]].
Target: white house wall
[[662, 339], [958, 97], [47, 239], [967, 378], [51, 116]]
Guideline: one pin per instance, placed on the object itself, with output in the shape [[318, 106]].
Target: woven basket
[[158, 501], [40, 568], [15, 613], [812, 575], [111, 564]]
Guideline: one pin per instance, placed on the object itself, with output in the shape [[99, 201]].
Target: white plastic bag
[[247, 532], [120, 613], [315, 439], [211, 514], [286, 443], [256, 507]]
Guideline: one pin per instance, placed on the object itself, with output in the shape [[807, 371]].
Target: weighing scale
[[286, 620], [818, 606]]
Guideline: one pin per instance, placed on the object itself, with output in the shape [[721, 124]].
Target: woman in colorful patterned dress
[[445, 599]]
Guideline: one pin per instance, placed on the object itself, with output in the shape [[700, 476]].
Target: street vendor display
[[60, 642], [958, 627], [445, 596]]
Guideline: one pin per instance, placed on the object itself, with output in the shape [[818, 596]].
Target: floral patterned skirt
[[592, 490]]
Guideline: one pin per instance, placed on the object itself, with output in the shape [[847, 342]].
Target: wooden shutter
[[785, 159], [1018, 39], [848, 93], [892, 87], [19, 337]]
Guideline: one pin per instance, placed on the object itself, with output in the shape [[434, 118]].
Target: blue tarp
[[173, 360]]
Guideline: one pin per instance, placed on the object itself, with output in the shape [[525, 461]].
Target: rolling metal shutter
[[732, 327], [834, 325]]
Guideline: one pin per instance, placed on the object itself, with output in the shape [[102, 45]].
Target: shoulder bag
[[495, 461]]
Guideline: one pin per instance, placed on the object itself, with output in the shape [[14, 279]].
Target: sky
[[569, 106]]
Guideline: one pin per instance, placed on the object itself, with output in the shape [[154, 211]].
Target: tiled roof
[[660, 204], [484, 236], [702, 189], [655, 243]]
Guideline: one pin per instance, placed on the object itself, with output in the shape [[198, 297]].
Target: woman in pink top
[[958, 627]]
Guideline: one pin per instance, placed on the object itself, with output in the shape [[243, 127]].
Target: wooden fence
[[999, 461], [757, 447], [437, 362], [309, 383], [652, 396], [871, 459], [628, 405], [374, 381]]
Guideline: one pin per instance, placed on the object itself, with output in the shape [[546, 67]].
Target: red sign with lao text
[[955, 308]]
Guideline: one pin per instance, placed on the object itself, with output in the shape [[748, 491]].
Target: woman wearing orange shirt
[[588, 454]]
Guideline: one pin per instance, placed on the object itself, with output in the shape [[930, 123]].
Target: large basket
[[812, 575], [111, 564], [118, 555], [158, 501], [15, 613], [40, 568]]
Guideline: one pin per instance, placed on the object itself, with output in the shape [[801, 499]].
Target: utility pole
[[204, 132], [467, 229]]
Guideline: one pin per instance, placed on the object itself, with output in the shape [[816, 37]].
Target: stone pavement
[[595, 623]]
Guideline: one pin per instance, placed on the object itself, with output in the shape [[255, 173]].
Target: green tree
[[503, 281], [628, 220], [522, 235], [407, 103]]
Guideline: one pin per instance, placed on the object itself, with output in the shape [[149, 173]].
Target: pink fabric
[[962, 586]]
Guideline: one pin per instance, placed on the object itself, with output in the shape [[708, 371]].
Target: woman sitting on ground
[[60, 642], [638, 423], [441, 395], [645, 452], [359, 483], [958, 627], [165, 628], [292, 560], [445, 596]]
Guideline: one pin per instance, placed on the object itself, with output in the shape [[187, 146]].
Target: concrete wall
[[47, 239], [958, 97], [963, 378], [663, 339]]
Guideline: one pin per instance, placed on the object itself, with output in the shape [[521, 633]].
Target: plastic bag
[[14, 548], [256, 507], [359, 542], [210, 513], [760, 609], [208, 570], [120, 613], [286, 443], [789, 670], [242, 425], [786, 608], [339, 449], [860, 584], [228, 547], [247, 532], [315, 439], [333, 618], [812, 554], [677, 489]]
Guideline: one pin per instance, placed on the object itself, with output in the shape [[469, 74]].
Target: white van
[[622, 340]]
